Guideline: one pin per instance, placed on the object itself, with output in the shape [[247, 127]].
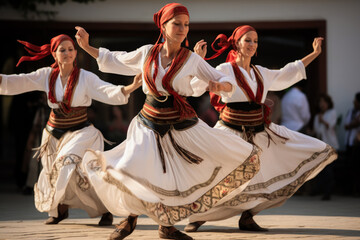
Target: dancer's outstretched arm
[[82, 38], [133, 86], [317, 50], [201, 49]]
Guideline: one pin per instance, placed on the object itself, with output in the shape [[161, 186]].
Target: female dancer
[[68, 133], [288, 158], [172, 164]]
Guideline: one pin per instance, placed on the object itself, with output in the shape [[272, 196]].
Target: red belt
[[75, 117], [243, 118]]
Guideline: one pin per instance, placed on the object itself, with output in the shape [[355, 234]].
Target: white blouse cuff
[[300, 66], [101, 58], [126, 97]]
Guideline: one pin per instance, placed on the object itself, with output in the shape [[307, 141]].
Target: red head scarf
[[225, 42], [166, 13], [45, 50]]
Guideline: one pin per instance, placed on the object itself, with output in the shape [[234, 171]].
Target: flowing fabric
[[65, 104], [39, 52], [285, 164], [225, 42], [130, 178], [62, 180]]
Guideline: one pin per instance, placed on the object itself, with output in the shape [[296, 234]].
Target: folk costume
[[68, 133], [172, 164], [288, 158]]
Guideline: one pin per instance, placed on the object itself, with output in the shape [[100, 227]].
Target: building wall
[[342, 17]]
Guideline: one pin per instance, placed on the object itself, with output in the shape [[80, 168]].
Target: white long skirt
[[62, 180], [285, 166], [130, 178]]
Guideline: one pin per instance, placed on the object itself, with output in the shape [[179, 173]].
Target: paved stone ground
[[301, 217]]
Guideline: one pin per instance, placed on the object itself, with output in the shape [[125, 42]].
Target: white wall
[[343, 27]]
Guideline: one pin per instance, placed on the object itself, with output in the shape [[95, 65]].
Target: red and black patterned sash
[[243, 118], [160, 115], [180, 104], [76, 116], [65, 104], [243, 84], [249, 119], [60, 123], [65, 118]]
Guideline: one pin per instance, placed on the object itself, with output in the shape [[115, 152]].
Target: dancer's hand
[[317, 50], [201, 48], [137, 80], [82, 37], [217, 87], [133, 86], [317, 45]]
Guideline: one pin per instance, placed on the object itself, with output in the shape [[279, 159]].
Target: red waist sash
[[242, 118], [76, 116]]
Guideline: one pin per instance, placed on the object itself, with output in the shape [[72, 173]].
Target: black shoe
[[106, 219], [172, 233], [124, 229], [56, 220], [194, 226], [247, 223]]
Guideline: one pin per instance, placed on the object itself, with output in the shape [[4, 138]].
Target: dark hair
[[357, 97], [327, 99]]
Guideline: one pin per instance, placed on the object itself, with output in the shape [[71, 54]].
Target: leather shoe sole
[[194, 226], [164, 233], [124, 229], [56, 220]]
